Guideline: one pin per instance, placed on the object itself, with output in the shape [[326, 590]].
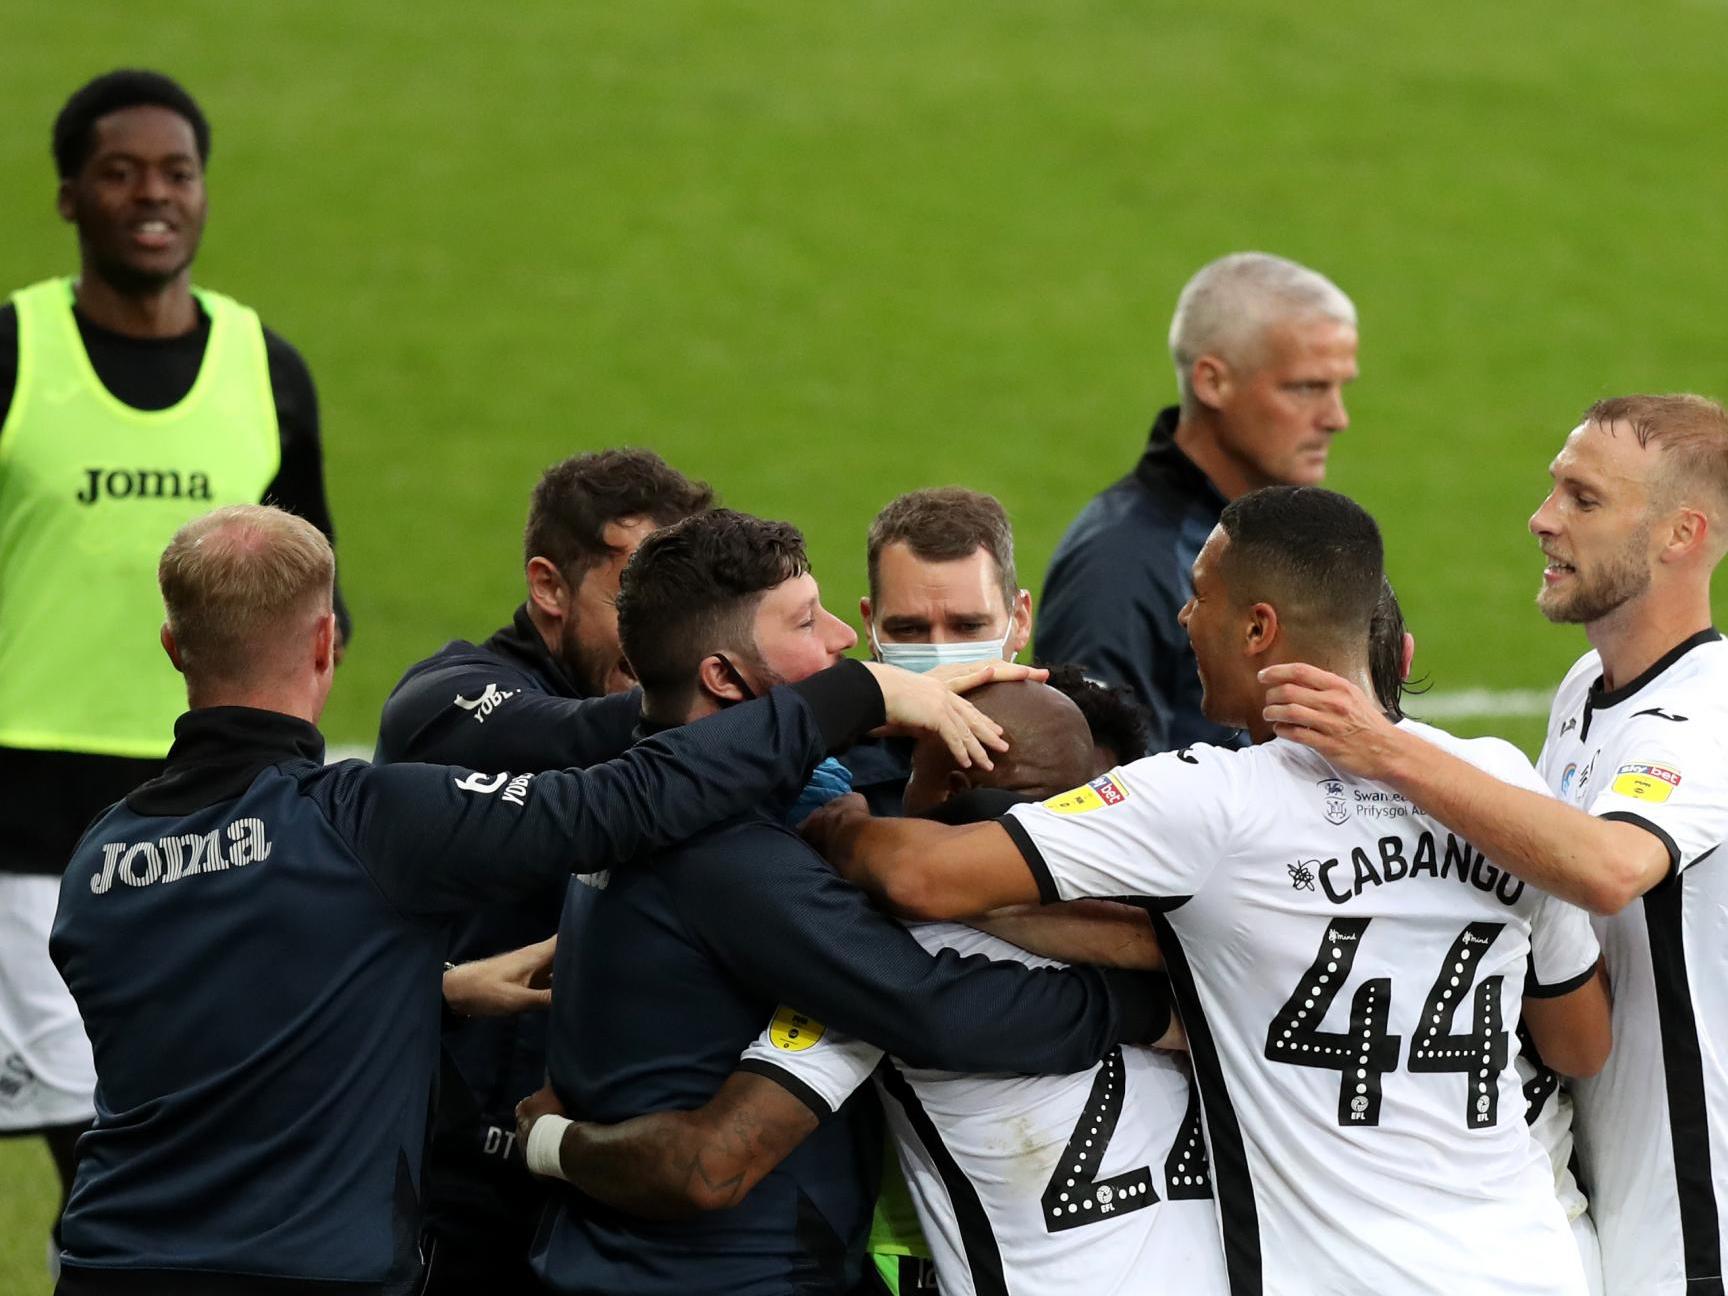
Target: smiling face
[[795, 636], [1595, 527], [1216, 626], [138, 201], [1277, 417]]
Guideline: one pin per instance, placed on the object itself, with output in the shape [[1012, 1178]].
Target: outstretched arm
[[922, 869], [1599, 863], [668, 1165]]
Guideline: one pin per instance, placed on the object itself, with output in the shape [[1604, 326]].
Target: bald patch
[[1049, 741]]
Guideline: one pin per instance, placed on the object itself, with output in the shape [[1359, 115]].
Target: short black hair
[[576, 499], [691, 590], [75, 128], [1116, 718], [1312, 553]]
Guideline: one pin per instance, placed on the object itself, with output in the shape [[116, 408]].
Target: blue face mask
[[921, 657]]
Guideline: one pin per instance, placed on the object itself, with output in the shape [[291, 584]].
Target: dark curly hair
[[691, 590], [575, 500], [1117, 720]]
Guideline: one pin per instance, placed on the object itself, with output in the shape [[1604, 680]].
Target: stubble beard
[[1620, 579]]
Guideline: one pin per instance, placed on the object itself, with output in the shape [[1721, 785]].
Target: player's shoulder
[[1492, 755], [1700, 675]]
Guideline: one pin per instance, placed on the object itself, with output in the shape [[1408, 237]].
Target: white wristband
[[545, 1139]]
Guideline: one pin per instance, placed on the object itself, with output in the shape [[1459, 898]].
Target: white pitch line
[[1472, 703]]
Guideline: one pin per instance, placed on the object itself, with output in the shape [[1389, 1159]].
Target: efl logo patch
[[1646, 782], [793, 1031], [1105, 790]]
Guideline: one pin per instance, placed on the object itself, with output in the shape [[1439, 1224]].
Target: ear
[[866, 613], [714, 679], [1021, 633], [956, 784], [324, 644], [1261, 634], [1688, 534], [1406, 655], [65, 204], [1210, 380], [548, 591], [172, 648]]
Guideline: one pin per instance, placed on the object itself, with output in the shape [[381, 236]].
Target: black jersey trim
[[1232, 1184], [1534, 989], [1600, 699], [1683, 1070], [817, 1104], [1047, 893], [977, 1238], [1660, 834]]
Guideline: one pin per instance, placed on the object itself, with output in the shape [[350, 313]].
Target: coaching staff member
[[253, 938], [665, 973], [1263, 348], [547, 691], [130, 402]]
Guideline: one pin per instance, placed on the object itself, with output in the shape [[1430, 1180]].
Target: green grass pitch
[[820, 254]]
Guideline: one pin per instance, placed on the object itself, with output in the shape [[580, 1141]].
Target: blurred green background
[[821, 254]]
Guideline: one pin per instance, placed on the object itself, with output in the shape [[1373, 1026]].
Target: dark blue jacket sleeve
[[477, 711], [439, 839], [778, 919], [1103, 610]]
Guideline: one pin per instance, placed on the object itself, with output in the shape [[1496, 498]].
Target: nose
[[839, 637], [1542, 520], [1337, 418], [1186, 612], [152, 185]]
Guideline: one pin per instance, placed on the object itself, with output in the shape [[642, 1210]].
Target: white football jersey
[[1351, 976], [1652, 1128], [1094, 1182]]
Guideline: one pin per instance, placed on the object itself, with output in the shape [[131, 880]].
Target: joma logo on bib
[[142, 483], [168, 859]]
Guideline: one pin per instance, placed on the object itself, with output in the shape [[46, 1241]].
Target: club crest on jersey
[[1566, 777], [794, 1032], [1646, 782], [1337, 808], [1103, 791]]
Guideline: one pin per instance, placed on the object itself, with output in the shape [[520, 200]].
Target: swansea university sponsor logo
[[1102, 792], [1337, 808], [491, 698], [142, 483]]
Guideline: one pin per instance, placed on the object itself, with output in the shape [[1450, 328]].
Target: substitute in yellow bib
[[130, 402]]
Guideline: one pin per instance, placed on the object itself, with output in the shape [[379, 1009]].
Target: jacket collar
[[218, 752], [520, 642], [1164, 469]]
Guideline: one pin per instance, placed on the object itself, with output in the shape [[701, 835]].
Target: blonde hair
[[1692, 434], [233, 578]]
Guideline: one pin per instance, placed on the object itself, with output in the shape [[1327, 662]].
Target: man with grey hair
[[1263, 348]]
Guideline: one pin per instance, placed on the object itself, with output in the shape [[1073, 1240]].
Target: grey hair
[[1228, 304]]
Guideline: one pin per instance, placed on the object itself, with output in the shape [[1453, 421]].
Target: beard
[[592, 668], [1620, 579]]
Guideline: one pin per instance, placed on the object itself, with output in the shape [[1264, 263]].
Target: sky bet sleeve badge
[[1646, 782], [1105, 790], [793, 1031]]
